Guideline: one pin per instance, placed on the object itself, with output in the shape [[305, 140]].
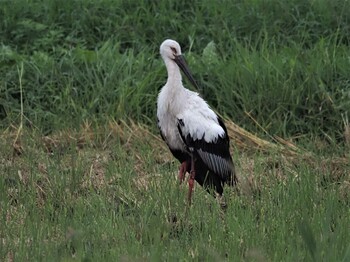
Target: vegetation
[[112, 194], [84, 175], [285, 63]]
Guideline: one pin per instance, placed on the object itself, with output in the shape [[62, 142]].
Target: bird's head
[[171, 50]]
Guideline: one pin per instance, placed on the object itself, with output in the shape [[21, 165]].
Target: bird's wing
[[209, 140]]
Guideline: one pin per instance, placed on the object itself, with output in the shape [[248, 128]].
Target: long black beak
[[181, 62]]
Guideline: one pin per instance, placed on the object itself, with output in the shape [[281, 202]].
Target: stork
[[194, 133]]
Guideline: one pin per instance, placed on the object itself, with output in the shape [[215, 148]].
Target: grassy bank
[[284, 63]]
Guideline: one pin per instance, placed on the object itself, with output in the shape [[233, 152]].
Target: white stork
[[195, 135]]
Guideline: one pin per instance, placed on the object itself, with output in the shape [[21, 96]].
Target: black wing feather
[[215, 155]]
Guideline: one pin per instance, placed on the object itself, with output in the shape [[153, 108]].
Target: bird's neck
[[174, 74]]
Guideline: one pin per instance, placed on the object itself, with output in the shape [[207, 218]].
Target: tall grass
[[102, 191], [283, 63]]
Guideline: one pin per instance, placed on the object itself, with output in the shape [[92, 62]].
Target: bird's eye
[[174, 50]]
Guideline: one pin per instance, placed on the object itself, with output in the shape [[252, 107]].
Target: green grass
[[284, 63], [77, 183], [101, 195]]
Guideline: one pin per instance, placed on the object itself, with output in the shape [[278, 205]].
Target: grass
[[284, 63], [84, 175], [112, 194]]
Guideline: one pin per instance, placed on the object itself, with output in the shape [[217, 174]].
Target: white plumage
[[199, 120], [193, 132]]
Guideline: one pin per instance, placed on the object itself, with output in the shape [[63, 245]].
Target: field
[[84, 174]]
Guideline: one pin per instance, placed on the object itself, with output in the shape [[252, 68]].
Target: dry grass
[[93, 144], [130, 134]]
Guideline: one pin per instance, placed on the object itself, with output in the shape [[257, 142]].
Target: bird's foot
[[190, 186], [182, 172]]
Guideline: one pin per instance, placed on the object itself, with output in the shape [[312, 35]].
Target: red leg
[[191, 181], [182, 171]]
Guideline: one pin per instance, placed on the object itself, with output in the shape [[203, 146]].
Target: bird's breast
[[169, 104], [171, 134]]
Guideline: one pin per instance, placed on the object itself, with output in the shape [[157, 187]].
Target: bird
[[196, 136]]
